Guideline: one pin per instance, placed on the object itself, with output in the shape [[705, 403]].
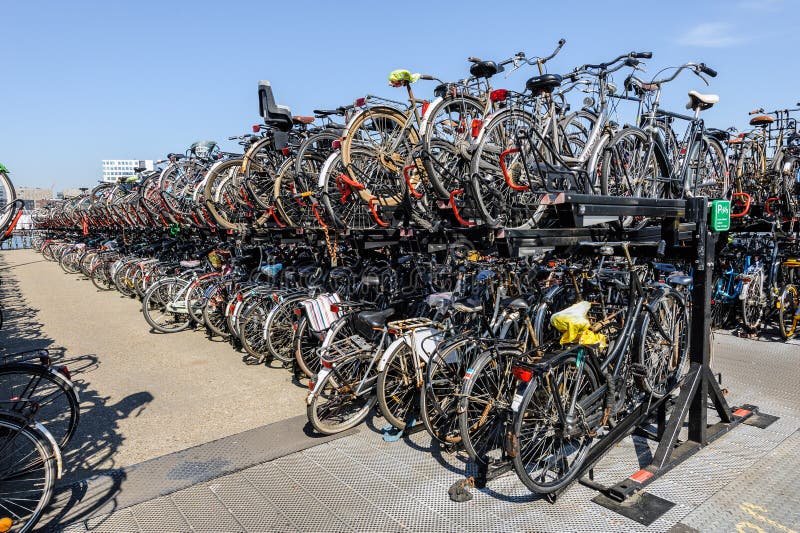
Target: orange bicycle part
[[374, 210], [510, 183], [406, 174], [746, 198], [453, 205]]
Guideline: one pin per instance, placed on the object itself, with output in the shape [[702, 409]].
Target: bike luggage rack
[[684, 234], [346, 348]]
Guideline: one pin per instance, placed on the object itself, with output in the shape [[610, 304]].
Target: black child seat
[[277, 116]]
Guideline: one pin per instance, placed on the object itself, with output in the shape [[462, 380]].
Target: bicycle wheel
[[28, 473], [441, 393], [547, 452], [708, 170], [337, 405], [306, 344], [7, 196], [280, 327], [397, 387], [788, 303], [101, 277], [486, 401], [375, 150], [632, 166], [499, 177], [251, 329], [752, 308], [343, 205], [59, 407], [214, 313], [662, 344], [222, 194], [164, 309], [447, 140]]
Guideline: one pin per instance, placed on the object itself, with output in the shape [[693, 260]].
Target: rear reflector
[[522, 374]]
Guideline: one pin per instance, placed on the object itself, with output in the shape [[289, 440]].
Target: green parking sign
[[720, 215]]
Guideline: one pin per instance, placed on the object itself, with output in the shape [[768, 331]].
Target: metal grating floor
[[361, 483]]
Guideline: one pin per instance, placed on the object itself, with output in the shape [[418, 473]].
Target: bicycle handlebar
[[603, 66]]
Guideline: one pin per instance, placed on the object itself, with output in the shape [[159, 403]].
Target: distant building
[[34, 197], [113, 169], [71, 193]]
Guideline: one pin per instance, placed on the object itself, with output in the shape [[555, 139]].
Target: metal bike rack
[[685, 235]]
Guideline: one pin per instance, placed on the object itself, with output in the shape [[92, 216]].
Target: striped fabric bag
[[319, 313]]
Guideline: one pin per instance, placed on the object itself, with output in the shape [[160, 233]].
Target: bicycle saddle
[[484, 69], [438, 299], [194, 263], [545, 83], [375, 319], [302, 120], [515, 302], [761, 120], [468, 306], [701, 101], [680, 279]]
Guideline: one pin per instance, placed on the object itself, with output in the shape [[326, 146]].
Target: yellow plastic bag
[[397, 77], [573, 322]]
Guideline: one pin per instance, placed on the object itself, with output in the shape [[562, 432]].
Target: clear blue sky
[[85, 81]]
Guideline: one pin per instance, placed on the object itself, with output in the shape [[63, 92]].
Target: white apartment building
[[113, 169]]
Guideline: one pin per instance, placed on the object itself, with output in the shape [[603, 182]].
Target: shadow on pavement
[[91, 480]]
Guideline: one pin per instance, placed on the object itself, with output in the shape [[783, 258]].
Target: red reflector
[[334, 308], [239, 297], [641, 476], [336, 144], [294, 326], [476, 127], [741, 412], [285, 151], [64, 370], [522, 374], [297, 311], [310, 385], [360, 102], [425, 105], [256, 128], [326, 364], [498, 95]]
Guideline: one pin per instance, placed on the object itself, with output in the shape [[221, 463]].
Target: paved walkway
[[143, 395]]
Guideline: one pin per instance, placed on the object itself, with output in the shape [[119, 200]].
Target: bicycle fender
[[323, 373], [56, 450], [744, 291], [427, 114], [393, 347]]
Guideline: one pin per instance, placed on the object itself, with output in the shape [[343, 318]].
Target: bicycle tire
[[29, 469], [59, 405], [156, 299], [332, 399], [536, 430], [788, 303]]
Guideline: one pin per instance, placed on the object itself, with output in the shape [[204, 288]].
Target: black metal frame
[[684, 234]]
